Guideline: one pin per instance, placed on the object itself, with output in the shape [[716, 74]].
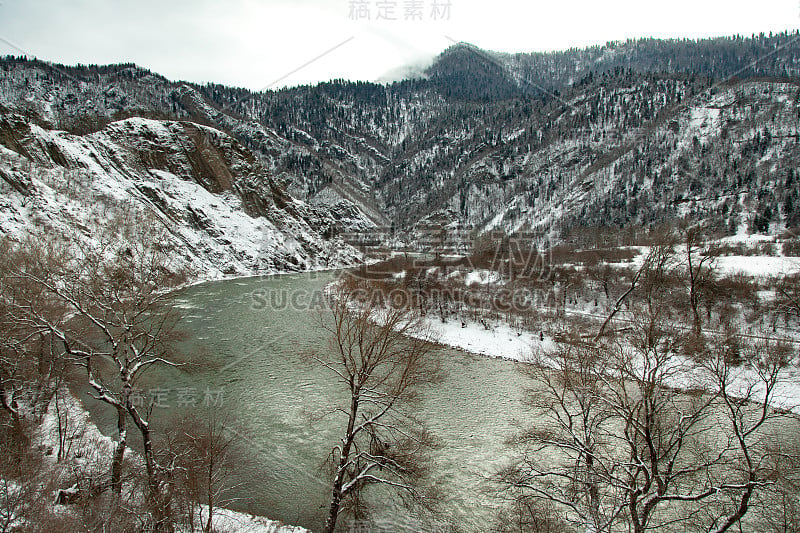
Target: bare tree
[[574, 426], [700, 261], [625, 447], [618, 305], [650, 286], [30, 365], [747, 407], [115, 320], [788, 294], [380, 355], [526, 513], [12, 360], [205, 457]]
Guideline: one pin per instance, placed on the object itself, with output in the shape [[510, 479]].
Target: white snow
[[482, 277], [703, 123], [499, 341], [502, 341], [761, 266], [227, 521]]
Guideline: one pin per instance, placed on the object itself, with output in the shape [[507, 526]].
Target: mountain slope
[[543, 142], [224, 213]]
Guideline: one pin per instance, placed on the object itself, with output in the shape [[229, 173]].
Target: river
[[249, 348]]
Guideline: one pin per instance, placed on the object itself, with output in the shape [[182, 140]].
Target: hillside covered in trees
[[641, 131]]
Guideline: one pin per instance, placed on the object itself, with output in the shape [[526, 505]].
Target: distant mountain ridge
[[635, 132], [718, 58]]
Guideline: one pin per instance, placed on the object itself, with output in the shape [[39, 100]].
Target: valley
[[514, 292]]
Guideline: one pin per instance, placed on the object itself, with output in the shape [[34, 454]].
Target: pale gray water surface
[[251, 343]]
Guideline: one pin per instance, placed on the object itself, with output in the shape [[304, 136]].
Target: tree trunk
[[119, 453], [19, 440], [741, 510], [694, 300], [696, 323], [210, 486], [154, 493], [594, 490], [693, 296], [634, 516], [338, 480], [62, 438], [158, 502], [333, 512]]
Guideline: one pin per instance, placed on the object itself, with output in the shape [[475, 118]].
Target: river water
[[249, 352]]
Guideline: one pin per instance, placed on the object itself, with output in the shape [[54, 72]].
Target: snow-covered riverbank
[[498, 339], [86, 452], [502, 341]]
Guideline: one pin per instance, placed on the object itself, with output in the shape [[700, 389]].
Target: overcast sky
[[270, 43]]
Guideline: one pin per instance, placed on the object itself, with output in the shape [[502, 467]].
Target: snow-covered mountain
[[636, 132], [634, 151], [224, 213]]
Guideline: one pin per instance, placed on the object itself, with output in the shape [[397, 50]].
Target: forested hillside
[[640, 131]]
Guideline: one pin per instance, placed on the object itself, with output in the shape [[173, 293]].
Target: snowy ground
[[761, 266], [502, 341], [227, 521], [499, 340]]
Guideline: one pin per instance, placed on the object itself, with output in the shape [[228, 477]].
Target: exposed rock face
[[224, 212]]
